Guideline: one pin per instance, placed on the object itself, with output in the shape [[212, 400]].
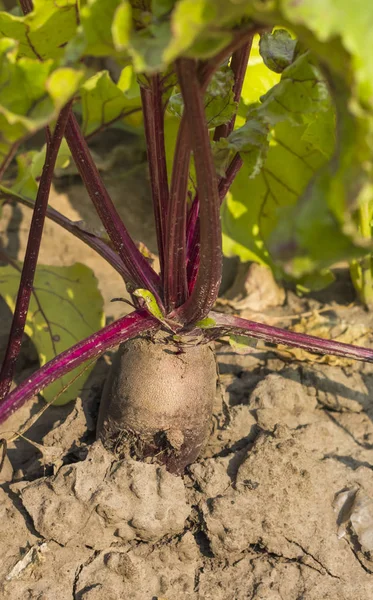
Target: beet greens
[[185, 67]]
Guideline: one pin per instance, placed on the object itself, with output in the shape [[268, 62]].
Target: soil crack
[[355, 547], [19, 506], [287, 559], [79, 570], [313, 558]]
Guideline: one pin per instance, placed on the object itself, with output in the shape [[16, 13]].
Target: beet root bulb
[[157, 401]]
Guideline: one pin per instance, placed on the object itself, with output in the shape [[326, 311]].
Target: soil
[[278, 507]]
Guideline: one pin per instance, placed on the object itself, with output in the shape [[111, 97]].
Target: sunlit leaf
[[257, 82], [32, 94], [199, 27], [104, 102], [281, 157], [30, 166], [44, 32], [122, 25], [97, 30], [206, 323], [324, 227], [351, 22]]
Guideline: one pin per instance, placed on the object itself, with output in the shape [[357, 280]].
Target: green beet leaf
[[200, 28], [104, 102], [146, 47], [96, 33], [154, 309], [280, 146], [259, 79], [206, 323], [124, 29], [65, 307], [32, 95], [219, 102], [43, 33], [301, 94], [162, 7], [251, 141], [122, 25], [351, 22], [153, 37], [323, 227], [277, 50], [30, 166]]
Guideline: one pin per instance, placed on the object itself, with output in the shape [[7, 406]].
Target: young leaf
[[151, 303], [59, 314], [277, 50], [251, 141], [154, 309], [206, 323]]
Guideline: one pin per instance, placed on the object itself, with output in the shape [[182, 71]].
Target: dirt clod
[[101, 501], [137, 573]]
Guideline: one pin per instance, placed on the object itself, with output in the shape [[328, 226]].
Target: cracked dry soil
[[279, 507]]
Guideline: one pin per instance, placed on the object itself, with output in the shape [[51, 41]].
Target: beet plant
[[290, 145]]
